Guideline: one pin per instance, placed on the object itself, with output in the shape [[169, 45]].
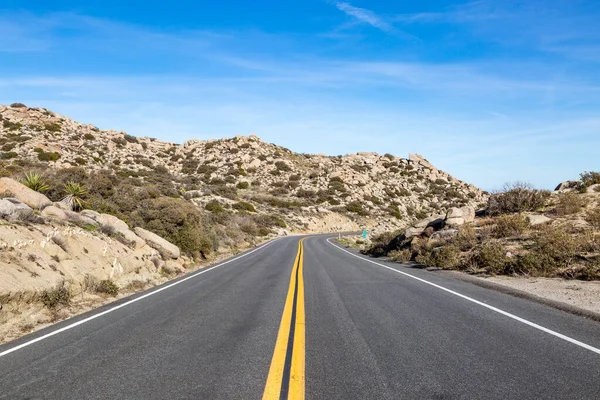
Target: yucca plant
[[35, 182], [75, 195]]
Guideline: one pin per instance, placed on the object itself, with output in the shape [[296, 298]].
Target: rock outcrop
[[25, 195], [163, 246]]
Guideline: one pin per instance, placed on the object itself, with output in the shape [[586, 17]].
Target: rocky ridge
[[366, 189]]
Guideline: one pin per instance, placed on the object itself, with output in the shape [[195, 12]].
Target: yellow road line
[[296, 391], [275, 377]]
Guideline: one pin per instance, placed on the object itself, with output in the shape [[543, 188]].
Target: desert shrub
[[517, 197], [214, 207], [307, 194], [8, 146], [510, 225], [107, 286], [492, 257], [466, 238], [18, 105], [47, 156], [394, 211], [130, 138], [569, 203], [11, 126], [389, 156], [35, 181], [355, 207], [556, 243], [243, 185], [282, 166], [179, 222], [446, 256], [52, 127], [269, 220], [402, 256], [590, 178], [593, 217], [78, 192], [244, 206], [89, 136], [225, 191], [8, 155], [59, 296], [294, 177]]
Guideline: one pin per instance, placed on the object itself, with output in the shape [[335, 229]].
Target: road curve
[[311, 321]]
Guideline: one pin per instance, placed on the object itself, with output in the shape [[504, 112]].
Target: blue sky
[[490, 91]]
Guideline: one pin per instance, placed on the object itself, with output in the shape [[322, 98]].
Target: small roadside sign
[[364, 234]]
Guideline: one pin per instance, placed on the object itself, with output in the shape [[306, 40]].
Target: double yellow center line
[[286, 375]]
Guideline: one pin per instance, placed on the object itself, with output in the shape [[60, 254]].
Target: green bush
[[243, 185], [355, 207], [214, 207], [244, 206], [8, 155], [107, 286], [593, 217], [510, 225], [282, 166], [402, 256], [590, 178], [52, 127], [47, 156], [179, 222], [492, 257], [59, 296]]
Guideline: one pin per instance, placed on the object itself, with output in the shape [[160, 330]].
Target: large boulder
[[13, 210], [568, 186], [163, 246], [55, 213], [116, 224], [22, 193]]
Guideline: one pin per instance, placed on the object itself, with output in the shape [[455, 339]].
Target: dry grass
[[570, 203]]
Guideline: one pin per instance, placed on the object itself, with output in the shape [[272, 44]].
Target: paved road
[[310, 321]]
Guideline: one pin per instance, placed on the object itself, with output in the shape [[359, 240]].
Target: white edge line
[[88, 319], [499, 311]]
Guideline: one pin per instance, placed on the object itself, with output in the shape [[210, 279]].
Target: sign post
[[364, 235]]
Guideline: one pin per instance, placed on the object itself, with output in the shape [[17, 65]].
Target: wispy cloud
[[363, 15]]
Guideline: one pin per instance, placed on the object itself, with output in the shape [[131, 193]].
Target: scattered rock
[[54, 212], [163, 246], [537, 219], [13, 210], [21, 192]]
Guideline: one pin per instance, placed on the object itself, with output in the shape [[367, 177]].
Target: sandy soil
[[580, 294]]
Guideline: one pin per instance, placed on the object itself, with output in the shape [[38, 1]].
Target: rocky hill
[[307, 192], [89, 214]]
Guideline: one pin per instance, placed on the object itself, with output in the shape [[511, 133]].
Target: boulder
[[13, 210], [163, 246], [593, 188], [193, 194], [54, 212], [537, 219], [111, 220], [410, 232], [22, 193], [80, 218], [446, 233], [455, 222], [568, 185], [468, 213]]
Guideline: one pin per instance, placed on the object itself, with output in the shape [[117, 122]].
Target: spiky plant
[[35, 182], [75, 194]]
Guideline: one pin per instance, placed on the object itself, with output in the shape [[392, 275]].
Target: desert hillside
[[89, 214], [296, 191]]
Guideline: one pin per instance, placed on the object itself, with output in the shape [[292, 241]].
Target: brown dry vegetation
[[506, 244]]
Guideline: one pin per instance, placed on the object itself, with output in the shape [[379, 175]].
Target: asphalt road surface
[[306, 319]]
